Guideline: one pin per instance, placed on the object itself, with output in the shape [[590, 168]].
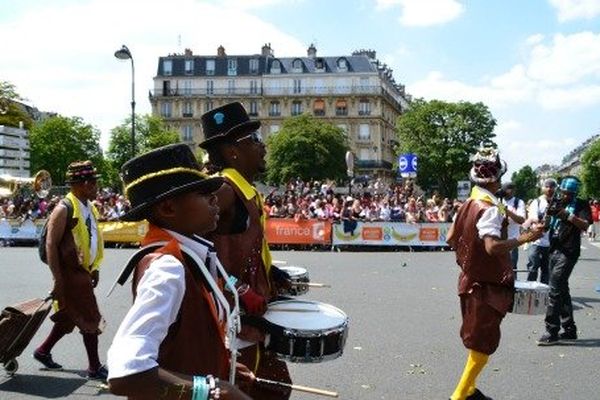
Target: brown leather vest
[[476, 264], [240, 253], [194, 344]]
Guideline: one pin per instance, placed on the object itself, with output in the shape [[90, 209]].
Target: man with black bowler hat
[[236, 151]]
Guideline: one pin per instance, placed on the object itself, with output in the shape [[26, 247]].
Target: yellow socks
[[466, 386]]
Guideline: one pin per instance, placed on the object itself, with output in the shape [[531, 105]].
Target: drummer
[[486, 281], [236, 150]]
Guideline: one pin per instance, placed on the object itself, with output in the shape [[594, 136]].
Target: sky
[[534, 63]]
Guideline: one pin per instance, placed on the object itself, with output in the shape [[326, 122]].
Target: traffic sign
[[408, 164]]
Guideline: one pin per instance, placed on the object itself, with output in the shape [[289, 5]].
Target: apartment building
[[355, 92]]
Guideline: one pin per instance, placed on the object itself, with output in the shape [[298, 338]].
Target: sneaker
[[46, 360], [101, 374], [568, 335], [548, 339], [478, 396]]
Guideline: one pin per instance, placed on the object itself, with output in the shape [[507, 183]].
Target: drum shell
[[298, 275], [530, 298]]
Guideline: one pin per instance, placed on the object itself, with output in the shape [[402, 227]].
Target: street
[[403, 340]]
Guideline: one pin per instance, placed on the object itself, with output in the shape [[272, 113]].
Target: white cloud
[[421, 13], [61, 55], [576, 9], [575, 97], [252, 4]]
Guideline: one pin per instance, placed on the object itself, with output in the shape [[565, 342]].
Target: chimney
[[221, 51], [266, 50], [188, 52], [312, 51]]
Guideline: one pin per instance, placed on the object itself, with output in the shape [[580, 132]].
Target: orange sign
[[428, 234], [289, 231], [372, 233]]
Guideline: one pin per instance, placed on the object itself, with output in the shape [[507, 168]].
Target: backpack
[[42, 243]]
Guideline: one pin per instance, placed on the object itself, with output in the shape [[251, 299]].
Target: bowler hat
[[160, 174], [81, 171], [222, 122]]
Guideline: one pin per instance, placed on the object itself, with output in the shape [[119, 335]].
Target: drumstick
[[311, 284], [292, 309], [300, 388]]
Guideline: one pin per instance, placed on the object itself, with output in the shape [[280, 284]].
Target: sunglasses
[[254, 136]]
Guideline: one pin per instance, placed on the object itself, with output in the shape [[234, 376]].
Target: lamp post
[[350, 170], [124, 54]]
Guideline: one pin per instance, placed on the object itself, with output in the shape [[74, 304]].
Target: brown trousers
[[269, 367]]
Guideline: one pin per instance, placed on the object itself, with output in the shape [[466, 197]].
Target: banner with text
[[389, 234], [290, 231]]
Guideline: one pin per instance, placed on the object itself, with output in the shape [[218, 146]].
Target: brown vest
[[195, 342], [476, 264]]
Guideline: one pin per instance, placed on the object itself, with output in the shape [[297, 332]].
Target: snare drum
[[306, 331], [298, 276], [531, 298]]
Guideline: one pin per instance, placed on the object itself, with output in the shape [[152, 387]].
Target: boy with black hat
[[174, 341], [74, 250], [236, 150]]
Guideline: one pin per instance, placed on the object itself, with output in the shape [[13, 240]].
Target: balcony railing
[[279, 91]]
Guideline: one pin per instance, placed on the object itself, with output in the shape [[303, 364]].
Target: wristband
[[200, 388], [231, 281]]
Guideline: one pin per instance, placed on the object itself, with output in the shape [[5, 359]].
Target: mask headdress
[[487, 166]]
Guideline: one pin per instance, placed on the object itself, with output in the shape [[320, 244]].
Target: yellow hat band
[[164, 172]]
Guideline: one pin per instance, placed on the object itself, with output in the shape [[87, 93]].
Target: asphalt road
[[403, 341]]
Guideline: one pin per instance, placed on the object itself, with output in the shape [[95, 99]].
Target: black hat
[[224, 121], [160, 174], [81, 171]]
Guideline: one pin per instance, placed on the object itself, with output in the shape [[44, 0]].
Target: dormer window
[[276, 67], [253, 64], [232, 67], [342, 64], [189, 67], [297, 65], [210, 67], [319, 65], [167, 67]]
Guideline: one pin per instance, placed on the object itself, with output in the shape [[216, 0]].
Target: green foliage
[[526, 183], [11, 113], [590, 171], [307, 148], [150, 133], [58, 141], [444, 135]]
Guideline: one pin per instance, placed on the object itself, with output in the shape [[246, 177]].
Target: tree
[[590, 170], [307, 148], [526, 183], [11, 112], [58, 141], [444, 135]]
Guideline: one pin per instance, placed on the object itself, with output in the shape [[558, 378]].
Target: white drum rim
[[294, 270], [310, 331]]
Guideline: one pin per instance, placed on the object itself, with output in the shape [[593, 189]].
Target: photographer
[[570, 217]]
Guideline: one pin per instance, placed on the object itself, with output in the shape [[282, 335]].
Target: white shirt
[[514, 228], [490, 223], [158, 299], [536, 209], [86, 212]]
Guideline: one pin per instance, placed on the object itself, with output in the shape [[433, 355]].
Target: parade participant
[[515, 211], [74, 251], [486, 281], [236, 150], [570, 217], [172, 342], [540, 249]]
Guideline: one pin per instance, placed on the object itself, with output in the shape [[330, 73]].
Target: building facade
[[356, 92], [14, 152]]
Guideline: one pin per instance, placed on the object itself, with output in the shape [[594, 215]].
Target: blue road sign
[[408, 163]]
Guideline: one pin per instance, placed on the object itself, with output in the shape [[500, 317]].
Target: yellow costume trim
[[478, 193], [169, 171]]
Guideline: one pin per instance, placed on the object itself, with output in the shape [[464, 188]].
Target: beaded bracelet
[[231, 281], [200, 388]]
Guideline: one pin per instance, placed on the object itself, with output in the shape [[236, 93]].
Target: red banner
[[289, 231]]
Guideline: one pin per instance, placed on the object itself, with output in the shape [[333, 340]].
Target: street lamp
[[124, 54], [350, 170]]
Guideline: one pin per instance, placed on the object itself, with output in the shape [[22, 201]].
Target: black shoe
[[478, 396], [548, 339], [568, 335], [101, 374], [46, 360]]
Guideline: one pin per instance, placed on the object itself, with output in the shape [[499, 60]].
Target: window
[[187, 133], [253, 108], [297, 86], [253, 87], [187, 110], [296, 107], [210, 87], [189, 67], [341, 108], [274, 109], [210, 67], [167, 88], [364, 107], [364, 83], [253, 66], [230, 86], [208, 106], [297, 65], [276, 67], [319, 108], [165, 109], [319, 65], [232, 66], [273, 129], [187, 88], [167, 67], [342, 64], [363, 132]]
